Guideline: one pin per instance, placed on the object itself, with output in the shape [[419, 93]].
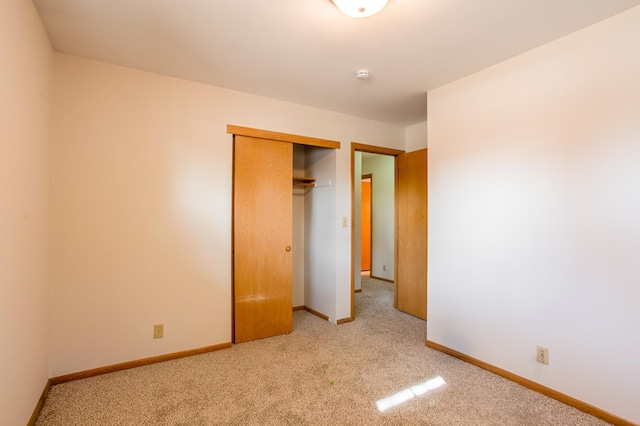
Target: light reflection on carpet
[[409, 393]]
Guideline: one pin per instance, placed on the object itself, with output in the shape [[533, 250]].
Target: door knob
[[288, 248]]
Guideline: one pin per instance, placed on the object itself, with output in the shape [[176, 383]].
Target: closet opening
[[283, 250]]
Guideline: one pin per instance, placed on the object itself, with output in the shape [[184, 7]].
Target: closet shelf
[[303, 181]]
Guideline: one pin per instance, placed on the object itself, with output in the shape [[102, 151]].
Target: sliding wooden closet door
[[411, 202], [262, 234]]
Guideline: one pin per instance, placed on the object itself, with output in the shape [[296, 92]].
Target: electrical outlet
[[384, 267], [158, 331], [344, 222], [542, 355]]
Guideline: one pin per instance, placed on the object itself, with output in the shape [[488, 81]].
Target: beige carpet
[[319, 374]]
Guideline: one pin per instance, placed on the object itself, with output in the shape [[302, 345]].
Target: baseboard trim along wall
[[319, 315], [566, 399], [138, 363], [382, 279], [36, 411], [316, 313]]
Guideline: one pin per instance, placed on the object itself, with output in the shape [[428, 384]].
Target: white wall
[[142, 208], [416, 137], [382, 217], [25, 103], [320, 233], [534, 207]]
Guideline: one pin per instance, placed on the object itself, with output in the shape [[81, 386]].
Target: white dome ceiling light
[[360, 8]]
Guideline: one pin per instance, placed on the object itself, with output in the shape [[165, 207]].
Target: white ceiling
[[308, 52]]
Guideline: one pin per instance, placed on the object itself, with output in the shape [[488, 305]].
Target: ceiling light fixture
[[360, 8]]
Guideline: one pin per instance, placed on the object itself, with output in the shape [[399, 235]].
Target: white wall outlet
[[344, 222], [158, 331], [384, 267], [542, 355]]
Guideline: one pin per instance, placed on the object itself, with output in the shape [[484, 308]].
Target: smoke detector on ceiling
[[362, 75]]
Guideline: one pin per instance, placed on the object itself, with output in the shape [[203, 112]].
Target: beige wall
[[534, 214], [142, 208], [416, 137], [25, 70]]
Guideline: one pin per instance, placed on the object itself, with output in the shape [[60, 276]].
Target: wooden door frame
[[269, 135], [359, 147]]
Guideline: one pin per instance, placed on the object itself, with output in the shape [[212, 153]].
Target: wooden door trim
[[372, 149], [360, 147], [281, 137]]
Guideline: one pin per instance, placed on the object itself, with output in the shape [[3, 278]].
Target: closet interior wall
[[314, 231]]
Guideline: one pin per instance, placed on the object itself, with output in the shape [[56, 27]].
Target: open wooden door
[[262, 234], [411, 219]]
